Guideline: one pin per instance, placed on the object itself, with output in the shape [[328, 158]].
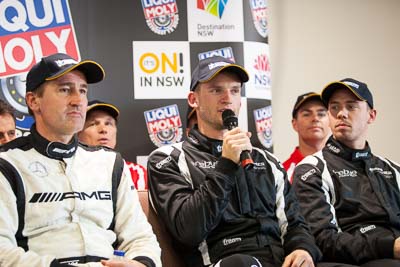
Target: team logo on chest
[[38, 169], [205, 164], [345, 173]]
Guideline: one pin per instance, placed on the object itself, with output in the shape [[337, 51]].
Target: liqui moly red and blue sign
[[161, 15], [164, 125], [263, 120], [31, 29], [259, 11]]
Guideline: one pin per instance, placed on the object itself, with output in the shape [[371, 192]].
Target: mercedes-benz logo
[[38, 169]]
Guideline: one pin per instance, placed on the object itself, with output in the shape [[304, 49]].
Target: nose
[[103, 129], [226, 97], [342, 113], [315, 117], [77, 99], [7, 138]]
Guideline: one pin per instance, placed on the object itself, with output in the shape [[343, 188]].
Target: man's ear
[[192, 99], [294, 125], [372, 115], [32, 101]]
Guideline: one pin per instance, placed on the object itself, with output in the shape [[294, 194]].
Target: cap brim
[[307, 98], [331, 87], [244, 76], [111, 109], [93, 71]]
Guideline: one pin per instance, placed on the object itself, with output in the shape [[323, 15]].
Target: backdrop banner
[[148, 49]]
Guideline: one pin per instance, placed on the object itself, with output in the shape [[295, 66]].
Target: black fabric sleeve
[[145, 260], [180, 206], [55, 263], [315, 198], [298, 235]]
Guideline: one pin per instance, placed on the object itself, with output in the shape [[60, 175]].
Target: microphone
[[230, 121]]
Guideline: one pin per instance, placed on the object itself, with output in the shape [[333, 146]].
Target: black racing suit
[[351, 201], [215, 208]]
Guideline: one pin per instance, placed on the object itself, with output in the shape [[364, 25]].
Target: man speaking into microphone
[[221, 211]]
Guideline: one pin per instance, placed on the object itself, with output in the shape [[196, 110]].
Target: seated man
[[218, 211], [349, 196], [63, 204], [100, 129], [7, 123], [310, 121]]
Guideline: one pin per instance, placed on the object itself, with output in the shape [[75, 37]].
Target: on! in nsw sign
[[31, 29], [161, 70]]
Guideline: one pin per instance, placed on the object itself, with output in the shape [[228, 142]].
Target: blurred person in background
[[7, 123], [311, 122], [101, 128]]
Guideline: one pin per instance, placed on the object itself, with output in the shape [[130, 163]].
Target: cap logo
[[352, 84], [216, 65], [63, 62]]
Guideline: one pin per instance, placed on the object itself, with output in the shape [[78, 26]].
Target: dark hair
[[39, 92], [6, 108]]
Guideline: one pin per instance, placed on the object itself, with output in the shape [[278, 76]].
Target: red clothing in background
[[138, 174], [291, 163]]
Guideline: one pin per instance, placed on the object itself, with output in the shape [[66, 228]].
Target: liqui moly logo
[[263, 121], [161, 15], [32, 29], [225, 52], [164, 125], [259, 13]]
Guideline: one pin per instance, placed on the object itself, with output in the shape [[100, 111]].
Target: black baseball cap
[[208, 68], [301, 99], [56, 65], [100, 105], [359, 89], [238, 260]]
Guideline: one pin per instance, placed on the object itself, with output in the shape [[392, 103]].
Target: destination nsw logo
[[214, 7]]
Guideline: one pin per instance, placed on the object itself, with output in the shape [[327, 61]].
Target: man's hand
[[235, 141], [298, 258], [125, 263], [396, 248]]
